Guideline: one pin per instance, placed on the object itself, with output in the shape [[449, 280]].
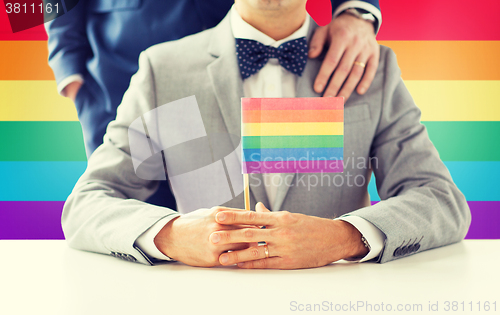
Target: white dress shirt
[[271, 81]]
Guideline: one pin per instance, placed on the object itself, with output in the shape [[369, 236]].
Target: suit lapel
[[225, 76], [228, 88], [304, 88]]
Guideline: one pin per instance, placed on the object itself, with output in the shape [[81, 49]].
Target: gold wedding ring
[[357, 63], [266, 251]]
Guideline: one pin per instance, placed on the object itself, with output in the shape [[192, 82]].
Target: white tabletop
[[47, 277]]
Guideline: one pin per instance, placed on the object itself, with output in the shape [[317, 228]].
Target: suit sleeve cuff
[[66, 81], [361, 5], [372, 234], [146, 241]]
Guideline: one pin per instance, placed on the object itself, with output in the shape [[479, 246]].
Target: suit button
[[411, 249], [112, 254], [417, 247], [404, 250], [397, 252], [132, 258]]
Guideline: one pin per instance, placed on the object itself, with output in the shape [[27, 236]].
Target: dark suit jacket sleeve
[[420, 203], [336, 3], [68, 44]]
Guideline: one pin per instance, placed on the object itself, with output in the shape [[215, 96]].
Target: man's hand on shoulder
[[186, 238], [293, 240], [350, 40]]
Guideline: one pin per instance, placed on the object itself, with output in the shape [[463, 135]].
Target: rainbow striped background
[[448, 52], [289, 135]]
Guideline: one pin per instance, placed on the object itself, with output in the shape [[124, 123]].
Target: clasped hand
[[224, 236]]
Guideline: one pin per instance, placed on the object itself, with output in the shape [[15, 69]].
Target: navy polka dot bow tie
[[252, 55]]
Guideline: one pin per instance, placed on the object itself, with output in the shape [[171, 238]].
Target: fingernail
[[221, 216], [241, 264], [318, 87], [362, 90], [224, 259], [328, 95], [215, 238]]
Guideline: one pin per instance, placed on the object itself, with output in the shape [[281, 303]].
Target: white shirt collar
[[242, 29]]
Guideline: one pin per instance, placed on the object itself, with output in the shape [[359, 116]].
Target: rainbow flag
[[292, 135]]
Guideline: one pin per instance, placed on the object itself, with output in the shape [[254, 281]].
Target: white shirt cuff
[[372, 234], [360, 5], [146, 242], [66, 81]]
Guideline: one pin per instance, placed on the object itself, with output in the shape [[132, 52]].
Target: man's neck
[[277, 24]]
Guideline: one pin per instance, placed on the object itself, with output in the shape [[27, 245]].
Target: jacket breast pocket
[[356, 113], [104, 6]]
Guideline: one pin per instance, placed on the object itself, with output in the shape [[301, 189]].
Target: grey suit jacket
[[420, 204]]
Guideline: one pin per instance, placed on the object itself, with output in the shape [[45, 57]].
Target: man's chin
[[274, 5]]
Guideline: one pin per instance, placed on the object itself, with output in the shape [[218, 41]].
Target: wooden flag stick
[[246, 193]]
